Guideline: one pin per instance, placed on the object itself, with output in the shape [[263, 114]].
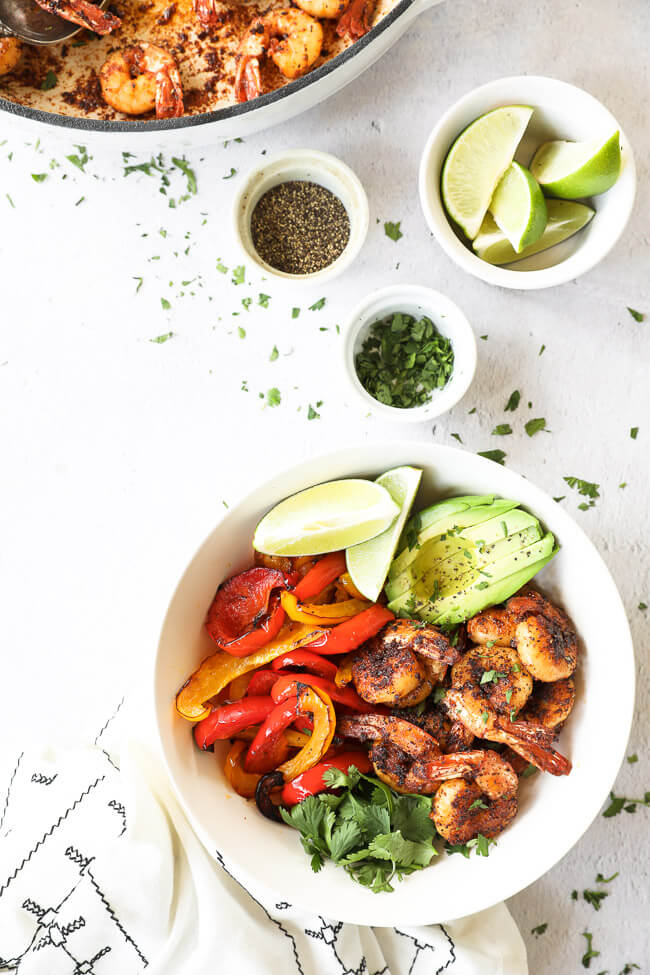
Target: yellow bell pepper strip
[[321, 615], [221, 668], [239, 687], [298, 700], [343, 674], [244, 783], [349, 586]]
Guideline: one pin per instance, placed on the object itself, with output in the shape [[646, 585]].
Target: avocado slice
[[461, 592], [451, 520]]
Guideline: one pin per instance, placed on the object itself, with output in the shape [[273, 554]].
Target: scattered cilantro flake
[[638, 316], [139, 285], [221, 267], [165, 304], [622, 803], [79, 160], [318, 304], [560, 497], [484, 337], [632, 760], [595, 897], [587, 488], [606, 880], [188, 172], [502, 430], [642, 607], [241, 332], [534, 426], [273, 396], [263, 300], [498, 456], [246, 302], [50, 81], [233, 172], [159, 339], [39, 177], [295, 312], [238, 274], [392, 230], [589, 953], [312, 414], [541, 351], [513, 401], [457, 437], [539, 929], [274, 354], [634, 432]]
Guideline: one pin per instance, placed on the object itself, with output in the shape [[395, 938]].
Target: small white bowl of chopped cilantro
[[409, 353]]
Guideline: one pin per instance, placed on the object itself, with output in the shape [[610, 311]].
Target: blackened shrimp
[[140, 78], [290, 37], [551, 704], [396, 744], [498, 674], [83, 13], [528, 739], [10, 51]]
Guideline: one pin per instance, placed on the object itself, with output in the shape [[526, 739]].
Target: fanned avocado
[[461, 563]]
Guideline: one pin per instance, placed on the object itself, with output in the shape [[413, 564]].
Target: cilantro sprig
[[375, 834]]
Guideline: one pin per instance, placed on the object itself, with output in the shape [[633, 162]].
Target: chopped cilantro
[[632, 760], [638, 316], [79, 160], [541, 351], [513, 401], [221, 267], [274, 354], [159, 339], [392, 230], [498, 456], [622, 803], [539, 929], [457, 437], [295, 312], [239, 274], [188, 172], [534, 426], [587, 488], [241, 332], [233, 172], [589, 953], [312, 414], [50, 81], [595, 897], [606, 880], [165, 304], [139, 285], [39, 177], [263, 300], [273, 396], [318, 304], [502, 430], [634, 432]]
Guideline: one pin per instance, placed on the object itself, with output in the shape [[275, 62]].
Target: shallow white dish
[[554, 812], [412, 299], [562, 111]]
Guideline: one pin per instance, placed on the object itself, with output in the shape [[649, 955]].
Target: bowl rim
[[566, 270], [319, 162], [387, 913], [361, 317]]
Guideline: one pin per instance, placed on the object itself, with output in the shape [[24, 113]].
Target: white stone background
[[117, 452]]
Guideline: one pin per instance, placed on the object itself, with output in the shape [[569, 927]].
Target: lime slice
[[565, 218], [574, 169], [476, 162], [518, 207], [326, 518], [368, 562]]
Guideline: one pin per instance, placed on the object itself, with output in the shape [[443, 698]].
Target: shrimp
[[355, 22], [83, 13], [550, 704], [290, 37], [530, 740], [140, 78], [10, 51], [395, 744], [543, 634], [498, 674], [459, 810], [451, 734], [401, 664], [210, 13]]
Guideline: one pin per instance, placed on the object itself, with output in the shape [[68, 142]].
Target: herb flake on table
[[295, 312], [263, 300], [539, 929], [233, 172], [241, 332], [588, 489], [534, 426], [595, 897], [165, 304], [273, 396], [318, 304], [79, 160], [188, 172], [498, 456], [402, 361], [502, 430], [159, 339], [238, 274], [638, 316], [39, 177], [624, 804], [392, 230], [634, 432], [274, 354], [513, 401], [312, 414], [139, 284], [590, 952]]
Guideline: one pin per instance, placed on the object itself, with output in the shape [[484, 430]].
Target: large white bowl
[[554, 812], [562, 111]]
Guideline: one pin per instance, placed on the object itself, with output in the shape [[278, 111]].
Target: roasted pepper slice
[[244, 783], [244, 615], [323, 574], [351, 634], [220, 668], [343, 674], [310, 783], [300, 700], [305, 660], [347, 584], [261, 682], [227, 720], [322, 615], [342, 695]]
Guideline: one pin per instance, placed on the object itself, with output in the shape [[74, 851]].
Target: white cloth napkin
[[101, 874]]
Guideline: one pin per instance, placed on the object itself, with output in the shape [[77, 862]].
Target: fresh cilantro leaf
[[513, 401], [318, 304], [39, 177], [344, 837], [534, 426], [312, 414], [498, 456], [295, 312], [50, 81], [239, 274], [188, 172], [634, 431], [273, 396], [638, 316], [595, 897], [392, 230], [165, 304], [159, 339], [589, 953], [539, 929], [274, 354], [502, 430], [587, 488], [263, 300]]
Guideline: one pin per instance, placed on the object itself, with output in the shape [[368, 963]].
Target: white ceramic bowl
[[562, 111], [553, 813], [450, 322], [316, 167]]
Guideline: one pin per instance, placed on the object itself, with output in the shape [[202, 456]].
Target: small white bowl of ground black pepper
[[301, 216], [409, 354]]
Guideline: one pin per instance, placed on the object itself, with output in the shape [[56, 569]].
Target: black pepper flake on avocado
[[299, 227]]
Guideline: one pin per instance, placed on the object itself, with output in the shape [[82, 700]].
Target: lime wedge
[[368, 562], [574, 169], [326, 518], [476, 162], [518, 207], [565, 218]]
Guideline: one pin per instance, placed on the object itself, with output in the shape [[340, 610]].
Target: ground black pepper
[[299, 227]]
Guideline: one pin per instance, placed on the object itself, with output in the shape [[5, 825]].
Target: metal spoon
[[27, 21]]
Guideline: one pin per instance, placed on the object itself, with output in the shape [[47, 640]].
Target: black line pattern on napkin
[[328, 933], [105, 726], [423, 946], [120, 810], [41, 779], [11, 782]]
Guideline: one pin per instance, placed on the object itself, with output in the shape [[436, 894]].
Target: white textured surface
[[117, 453]]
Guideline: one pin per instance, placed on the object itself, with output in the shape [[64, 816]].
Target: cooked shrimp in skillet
[[290, 37], [401, 664], [210, 13], [543, 635], [530, 740], [462, 809], [83, 13], [140, 78], [10, 51], [356, 21], [395, 744], [551, 704], [498, 674]]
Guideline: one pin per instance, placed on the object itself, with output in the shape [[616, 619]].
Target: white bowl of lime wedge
[[504, 125]]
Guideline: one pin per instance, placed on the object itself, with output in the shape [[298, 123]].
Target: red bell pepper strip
[[310, 783], [261, 682], [326, 570], [261, 755], [342, 695], [351, 634], [305, 659], [244, 615], [227, 720]]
